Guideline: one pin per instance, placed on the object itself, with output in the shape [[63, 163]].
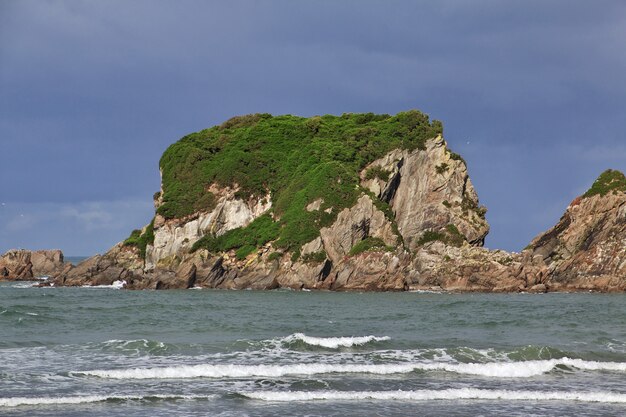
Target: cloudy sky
[[531, 93]]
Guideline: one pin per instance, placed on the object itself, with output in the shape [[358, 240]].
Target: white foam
[[22, 401], [523, 369], [243, 371], [447, 394], [333, 342], [27, 284], [116, 285]]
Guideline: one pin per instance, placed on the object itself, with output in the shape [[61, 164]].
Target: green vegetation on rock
[[450, 236], [274, 256], [431, 236], [314, 257], [141, 240], [370, 244], [454, 237], [244, 239], [442, 168], [377, 172], [297, 160], [609, 181]]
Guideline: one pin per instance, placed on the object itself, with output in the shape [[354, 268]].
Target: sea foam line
[[24, 401], [447, 394], [116, 285], [523, 369], [333, 342]]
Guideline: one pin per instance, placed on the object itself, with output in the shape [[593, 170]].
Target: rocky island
[[354, 202]]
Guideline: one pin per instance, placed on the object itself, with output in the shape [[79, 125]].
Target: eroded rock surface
[[586, 249], [428, 190], [21, 264], [173, 238]]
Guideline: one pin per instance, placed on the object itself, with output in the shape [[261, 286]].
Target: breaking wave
[[523, 369], [25, 401], [446, 394], [116, 285], [332, 342]]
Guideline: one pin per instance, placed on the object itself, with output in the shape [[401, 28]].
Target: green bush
[[431, 236], [370, 244], [262, 230], [141, 240], [314, 257], [274, 256], [450, 236], [609, 180], [441, 168], [454, 238], [377, 172], [456, 157]]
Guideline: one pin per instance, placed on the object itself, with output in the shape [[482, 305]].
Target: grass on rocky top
[[296, 159], [609, 181]]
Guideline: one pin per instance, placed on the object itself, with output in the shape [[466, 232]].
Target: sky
[[531, 93]]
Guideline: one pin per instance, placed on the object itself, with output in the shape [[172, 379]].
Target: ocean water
[[109, 352]]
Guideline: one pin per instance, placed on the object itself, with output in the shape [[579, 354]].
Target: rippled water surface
[[109, 352]]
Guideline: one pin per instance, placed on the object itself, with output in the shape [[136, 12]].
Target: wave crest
[[524, 369], [447, 394], [333, 342], [25, 401]]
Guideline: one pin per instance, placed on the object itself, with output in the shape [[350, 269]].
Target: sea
[[104, 351]]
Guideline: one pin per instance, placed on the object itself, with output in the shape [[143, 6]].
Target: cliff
[[355, 202]]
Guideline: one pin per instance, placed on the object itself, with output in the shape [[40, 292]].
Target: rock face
[[428, 190], [437, 266], [173, 238], [587, 247], [118, 264], [353, 225], [23, 264]]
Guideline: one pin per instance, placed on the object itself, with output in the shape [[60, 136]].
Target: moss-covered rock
[[609, 181], [294, 159]]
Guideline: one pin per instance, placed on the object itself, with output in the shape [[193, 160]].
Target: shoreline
[[44, 282]]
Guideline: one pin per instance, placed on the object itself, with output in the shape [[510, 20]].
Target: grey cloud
[[93, 92], [80, 228]]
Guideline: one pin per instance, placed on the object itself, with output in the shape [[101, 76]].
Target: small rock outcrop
[[586, 249], [21, 264]]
